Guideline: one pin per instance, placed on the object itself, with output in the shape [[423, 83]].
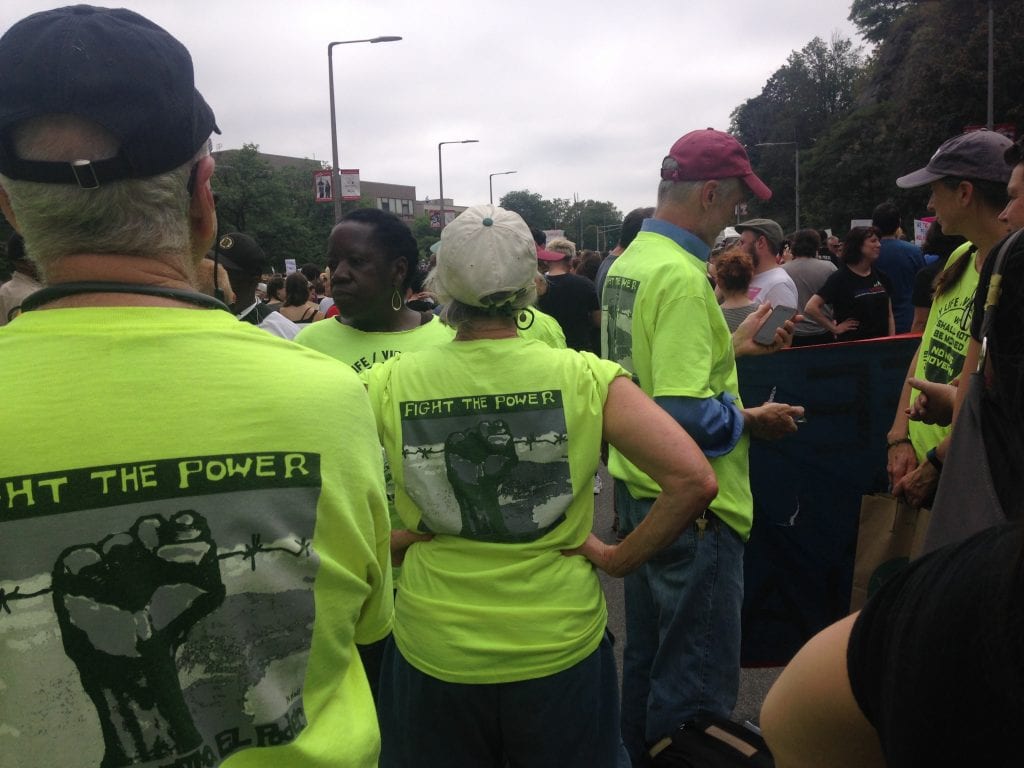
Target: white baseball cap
[[487, 258]]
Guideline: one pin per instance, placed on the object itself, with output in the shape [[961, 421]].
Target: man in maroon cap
[[663, 323]]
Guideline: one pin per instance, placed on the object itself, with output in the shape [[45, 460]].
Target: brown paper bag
[[890, 535]]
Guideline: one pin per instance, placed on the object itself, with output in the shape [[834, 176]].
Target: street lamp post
[[335, 178], [796, 183], [490, 181], [440, 172]]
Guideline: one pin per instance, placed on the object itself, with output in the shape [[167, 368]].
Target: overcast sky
[[579, 98]]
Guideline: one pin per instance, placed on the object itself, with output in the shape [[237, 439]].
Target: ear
[[399, 270], [709, 193], [5, 206], [965, 193], [202, 212]]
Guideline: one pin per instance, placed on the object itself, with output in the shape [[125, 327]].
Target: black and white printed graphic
[[158, 613], [488, 467], [944, 355], [620, 298]]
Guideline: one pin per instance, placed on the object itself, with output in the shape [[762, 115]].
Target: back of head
[[886, 219], [563, 246], [100, 123], [632, 224], [296, 290], [486, 264], [806, 243], [706, 155], [734, 269]]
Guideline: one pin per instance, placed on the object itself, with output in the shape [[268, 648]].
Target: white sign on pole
[[349, 183], [289, 266]]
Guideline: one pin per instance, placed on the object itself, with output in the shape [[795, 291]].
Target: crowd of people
[[194, 573]]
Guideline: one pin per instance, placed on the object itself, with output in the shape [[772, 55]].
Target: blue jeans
[[565, 720], [682, 651]]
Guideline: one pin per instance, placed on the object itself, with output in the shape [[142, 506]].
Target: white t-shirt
[[775, 287]]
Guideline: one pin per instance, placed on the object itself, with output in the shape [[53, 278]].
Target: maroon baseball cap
[[711, 154]]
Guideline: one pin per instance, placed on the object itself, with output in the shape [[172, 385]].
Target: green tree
[[874, 19], [535, 210], [275, 205], [926, 82], [801, 100], [591, 224], [425, 236]]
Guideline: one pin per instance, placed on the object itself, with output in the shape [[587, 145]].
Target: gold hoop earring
[[396, 301]]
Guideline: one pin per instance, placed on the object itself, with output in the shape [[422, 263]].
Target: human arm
[[651, 439], [595, 318], [892, 321], [717, 423], [401, 540], [815, 310], [920, 319], [934, 402], [900, 455], [810, 717]]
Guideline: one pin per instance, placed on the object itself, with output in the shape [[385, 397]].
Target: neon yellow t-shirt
[[187, 569], [364, 349], [544, 328], [662, 322], [944, 342], [494, 445]]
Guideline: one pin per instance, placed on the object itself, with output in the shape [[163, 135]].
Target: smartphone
[[779, 316]]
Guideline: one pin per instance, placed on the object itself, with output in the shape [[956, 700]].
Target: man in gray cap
[[167, 530], [771, 285], [967, 176]]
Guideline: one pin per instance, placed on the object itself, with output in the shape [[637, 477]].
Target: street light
[[440, 173], [335, 179], [490, 181], [796, 184]]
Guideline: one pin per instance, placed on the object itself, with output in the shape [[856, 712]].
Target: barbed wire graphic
[[425, 451], [250, 552]]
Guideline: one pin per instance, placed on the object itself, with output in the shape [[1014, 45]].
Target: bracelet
[[934, 460], [893, 443]]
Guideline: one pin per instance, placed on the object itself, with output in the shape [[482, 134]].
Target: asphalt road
[[754, 683]]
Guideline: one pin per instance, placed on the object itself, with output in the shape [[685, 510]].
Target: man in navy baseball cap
[[170, 544]]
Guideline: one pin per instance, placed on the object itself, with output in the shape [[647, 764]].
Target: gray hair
[[136, 217], [457, 313], [680, 191]]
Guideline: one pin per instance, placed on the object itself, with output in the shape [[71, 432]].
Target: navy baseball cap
[[113, 67]]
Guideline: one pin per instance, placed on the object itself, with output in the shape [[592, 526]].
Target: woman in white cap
[[500, 654]]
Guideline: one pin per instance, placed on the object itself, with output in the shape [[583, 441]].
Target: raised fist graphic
[[477, 461], [124, 606]]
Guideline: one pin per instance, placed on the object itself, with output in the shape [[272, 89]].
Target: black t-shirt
[[865, 299], [936, 658], [570, 300]]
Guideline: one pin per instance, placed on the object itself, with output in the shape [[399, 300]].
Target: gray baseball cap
[[975, 155], [770, 229]]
